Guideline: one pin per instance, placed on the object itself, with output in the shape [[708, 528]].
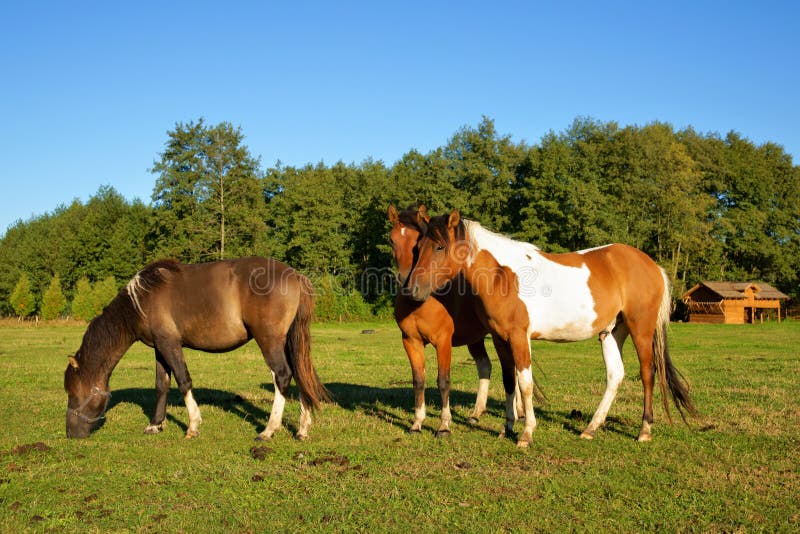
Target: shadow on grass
[[393, 405]]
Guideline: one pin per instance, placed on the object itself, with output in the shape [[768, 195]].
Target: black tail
[[673, 379], [298, 349]]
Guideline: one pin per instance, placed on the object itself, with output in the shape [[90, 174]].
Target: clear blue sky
[[90, 89]]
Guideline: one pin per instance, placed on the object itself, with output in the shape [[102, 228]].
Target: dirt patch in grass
[[25, 449]]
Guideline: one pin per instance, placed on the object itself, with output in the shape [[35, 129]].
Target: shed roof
[[735, 290]]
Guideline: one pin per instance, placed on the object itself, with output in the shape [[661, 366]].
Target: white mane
[[505, 250], [134, 289]]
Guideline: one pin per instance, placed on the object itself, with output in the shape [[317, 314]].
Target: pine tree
[[53, 300], [102, 293], [82, 301], [22, 300]]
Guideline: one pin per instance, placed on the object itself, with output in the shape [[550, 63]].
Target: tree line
[[704, 206]]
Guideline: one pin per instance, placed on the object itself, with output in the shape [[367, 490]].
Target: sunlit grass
[[734, 469]]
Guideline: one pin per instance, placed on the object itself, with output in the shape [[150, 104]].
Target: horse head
[[441, 255], [86, 403], [407, 226]]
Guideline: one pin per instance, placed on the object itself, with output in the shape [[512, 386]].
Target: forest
[[705, 206]]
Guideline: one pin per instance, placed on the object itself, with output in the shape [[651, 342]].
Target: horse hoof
[[262, 437], [154, 429], [587, 435], [191, 434], [644, 437], [523, 444], [472, 420], [301, 437], [413, 430], [442, 433]]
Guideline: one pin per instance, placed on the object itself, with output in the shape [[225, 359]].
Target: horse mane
[[437, 229], [409, 217], [110, 334], [149, 278]]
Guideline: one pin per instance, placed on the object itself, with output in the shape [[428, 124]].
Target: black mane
[[409, 217], [437, 230]]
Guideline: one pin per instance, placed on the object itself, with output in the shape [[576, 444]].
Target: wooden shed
[[732, 302]]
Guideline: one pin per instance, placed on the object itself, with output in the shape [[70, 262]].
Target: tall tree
[[53, 300], [208, 194], [22, 299]]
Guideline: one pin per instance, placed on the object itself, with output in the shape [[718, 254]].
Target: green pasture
[[735, 468]]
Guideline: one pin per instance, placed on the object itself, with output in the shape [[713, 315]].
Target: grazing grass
[[735, 469]]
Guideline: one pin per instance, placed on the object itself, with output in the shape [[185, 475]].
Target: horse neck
[[106, 340]]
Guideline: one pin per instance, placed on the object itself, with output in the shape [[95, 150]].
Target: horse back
[[214, 306]]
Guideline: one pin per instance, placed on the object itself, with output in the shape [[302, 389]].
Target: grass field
[[735, 469]]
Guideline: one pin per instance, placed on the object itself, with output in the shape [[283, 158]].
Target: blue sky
[[90, 89]]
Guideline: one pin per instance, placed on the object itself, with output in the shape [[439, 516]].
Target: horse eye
[[439, 248]]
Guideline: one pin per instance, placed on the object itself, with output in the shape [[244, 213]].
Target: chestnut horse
[[214, 307], [613, 292], [448, 319]]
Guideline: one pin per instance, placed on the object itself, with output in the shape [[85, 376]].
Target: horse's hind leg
[[615, 372], [272, 347], [163, 377], [647, 371], [478, 352]]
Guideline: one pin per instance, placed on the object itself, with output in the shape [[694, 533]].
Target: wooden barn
[[732, 302]]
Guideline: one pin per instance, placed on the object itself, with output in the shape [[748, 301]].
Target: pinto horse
[[214, 307], [612, 292], [448, 319]]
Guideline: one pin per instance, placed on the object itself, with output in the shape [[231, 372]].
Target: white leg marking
[[419, 417], [276, 415], [525, 386], [615, 372], [447, 418], [194, 415], [305, 421], [480, 400]]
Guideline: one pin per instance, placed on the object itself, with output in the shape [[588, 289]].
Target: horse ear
[[454, 219], [422, 214], [73, 362], [394, 218]]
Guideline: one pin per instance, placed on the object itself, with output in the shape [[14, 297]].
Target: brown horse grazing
[[612, 292], [449, 319], [214, 307]]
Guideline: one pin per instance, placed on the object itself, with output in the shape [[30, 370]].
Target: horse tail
[[669, 376], [298, 349]]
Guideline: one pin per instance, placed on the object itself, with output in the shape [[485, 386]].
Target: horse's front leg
[[163, 378], [444, 354], [521, 349], [173, 357], [415, 350]]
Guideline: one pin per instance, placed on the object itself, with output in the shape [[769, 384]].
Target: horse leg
[[643, 341], [444, 354], [478, 352], [521, 351], [509, 381], [173, 357], [416, 356], [615, 372], [163, 377], [272, 348]]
